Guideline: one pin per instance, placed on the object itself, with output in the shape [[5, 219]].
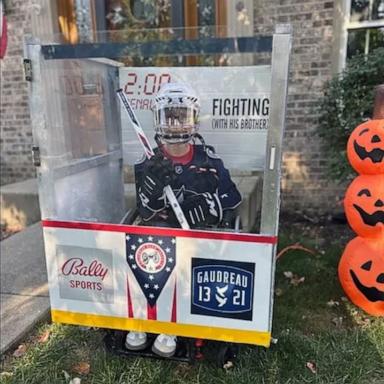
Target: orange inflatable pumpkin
[[364, 205], [365, 148], [361, 274]]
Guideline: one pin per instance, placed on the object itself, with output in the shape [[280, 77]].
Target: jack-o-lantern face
[[361, 274], [365, 148], [364, 205]]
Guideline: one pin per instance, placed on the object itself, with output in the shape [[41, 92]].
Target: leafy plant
[[347, 102]]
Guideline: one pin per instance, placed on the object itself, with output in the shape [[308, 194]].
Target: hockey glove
[[203, 210], [157, 174], [205, 179]]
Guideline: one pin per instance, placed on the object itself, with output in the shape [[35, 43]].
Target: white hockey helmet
[[176, 113]]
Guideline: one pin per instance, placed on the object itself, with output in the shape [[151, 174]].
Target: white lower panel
[[196, 281]]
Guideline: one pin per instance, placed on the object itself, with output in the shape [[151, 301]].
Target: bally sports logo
[[222, 288], [87, 277]]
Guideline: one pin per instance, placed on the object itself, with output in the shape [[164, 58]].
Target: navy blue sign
[[222, 288], [152, 260]]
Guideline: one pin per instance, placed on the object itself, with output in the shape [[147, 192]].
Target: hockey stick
[[149, 153]]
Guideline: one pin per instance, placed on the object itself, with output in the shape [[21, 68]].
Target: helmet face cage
[[176, 113]]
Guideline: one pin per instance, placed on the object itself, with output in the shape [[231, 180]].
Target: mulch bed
[[324, 229]]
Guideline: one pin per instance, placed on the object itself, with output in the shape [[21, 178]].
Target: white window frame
[[342, 25]]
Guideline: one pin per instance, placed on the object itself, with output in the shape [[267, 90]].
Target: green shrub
[[347, 102]]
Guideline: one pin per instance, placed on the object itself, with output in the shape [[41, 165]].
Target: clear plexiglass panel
[[89, 147], [78, 135]]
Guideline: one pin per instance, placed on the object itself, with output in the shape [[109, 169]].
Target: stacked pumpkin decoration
[[361, 267]]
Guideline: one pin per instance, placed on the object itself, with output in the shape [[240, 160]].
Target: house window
[[361, 29], [143, 20], [206, 14], [365, 27]]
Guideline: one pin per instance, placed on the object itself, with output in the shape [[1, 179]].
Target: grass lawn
[[322, 337]]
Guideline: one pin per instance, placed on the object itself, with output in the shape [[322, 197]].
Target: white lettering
[[224, 277]]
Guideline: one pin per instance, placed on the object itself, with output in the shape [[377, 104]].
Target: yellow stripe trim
[[186, 330]]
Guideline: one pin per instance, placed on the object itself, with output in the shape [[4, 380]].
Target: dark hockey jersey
[[184, 184]]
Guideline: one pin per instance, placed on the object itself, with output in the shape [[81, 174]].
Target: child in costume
[[201, 183]]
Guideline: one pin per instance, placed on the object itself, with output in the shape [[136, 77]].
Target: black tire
[[114, 340], [227, 355]]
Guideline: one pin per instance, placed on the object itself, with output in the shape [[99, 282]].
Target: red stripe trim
[[130, 308], [158, 231], [174, 309], [151, 312]]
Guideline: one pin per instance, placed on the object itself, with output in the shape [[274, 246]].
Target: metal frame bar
[[272, 171], [270, 207], [38, 124], [154, 48], [77, 166]]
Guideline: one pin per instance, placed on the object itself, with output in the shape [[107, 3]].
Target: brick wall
[[305, 186], [15, 126]]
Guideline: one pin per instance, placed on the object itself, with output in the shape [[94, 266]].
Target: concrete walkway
[[23, 285]]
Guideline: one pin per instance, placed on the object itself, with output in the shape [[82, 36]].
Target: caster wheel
[[227, 355], [119, 337], [114, 340]]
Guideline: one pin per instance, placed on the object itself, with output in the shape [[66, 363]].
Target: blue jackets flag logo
[[222, 288], [152, 260]]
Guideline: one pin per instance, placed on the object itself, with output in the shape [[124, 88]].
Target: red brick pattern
[[15, 125], [305, 186]]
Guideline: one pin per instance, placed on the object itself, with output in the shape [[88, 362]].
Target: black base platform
[[188, 350]]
